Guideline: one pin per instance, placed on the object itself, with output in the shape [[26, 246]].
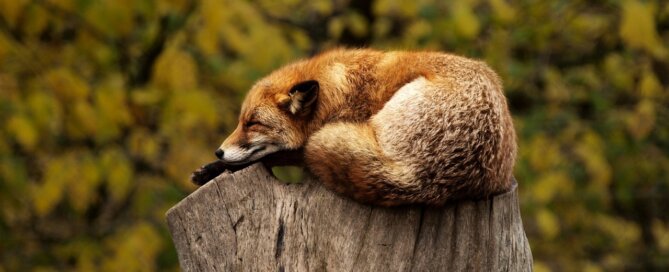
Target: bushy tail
[[347, 158]]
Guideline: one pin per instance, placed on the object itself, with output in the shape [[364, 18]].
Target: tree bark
[[250, 221]]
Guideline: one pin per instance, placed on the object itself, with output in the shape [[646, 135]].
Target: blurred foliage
[[106, 106], [288, 174]]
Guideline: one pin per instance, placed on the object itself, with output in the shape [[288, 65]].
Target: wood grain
[[250, 221]]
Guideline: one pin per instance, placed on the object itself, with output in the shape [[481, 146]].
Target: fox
[[384, 128]]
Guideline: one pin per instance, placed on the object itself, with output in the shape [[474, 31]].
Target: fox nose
[[219, 153]]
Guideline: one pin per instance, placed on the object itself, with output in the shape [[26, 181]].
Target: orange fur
[[386, 128]]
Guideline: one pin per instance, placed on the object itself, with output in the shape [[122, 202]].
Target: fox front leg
[[211, 170]]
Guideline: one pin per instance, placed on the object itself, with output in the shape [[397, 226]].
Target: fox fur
[[385, 128]]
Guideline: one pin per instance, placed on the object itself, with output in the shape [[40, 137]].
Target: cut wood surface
[[250, 221]]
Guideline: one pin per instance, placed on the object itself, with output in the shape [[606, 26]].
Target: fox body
[[385, 128]]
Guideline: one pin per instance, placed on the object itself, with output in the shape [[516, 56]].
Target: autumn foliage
[[107, 106]]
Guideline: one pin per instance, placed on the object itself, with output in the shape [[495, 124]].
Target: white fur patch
[[409, 94], [235, 154], [238, 155], [400, 116]]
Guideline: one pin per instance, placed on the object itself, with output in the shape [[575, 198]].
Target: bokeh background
[[106, 106]]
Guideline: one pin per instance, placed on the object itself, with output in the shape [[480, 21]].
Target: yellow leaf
[[417, 30], [111, 101], [383, 7], [548, 223], [587, 25], [133, 249], [637, 28], [300, 39], [624, 234], [357, 24], [382, 26], [557, 91], [23, 130], [175, 70], [544, 153], [551, 184], [11, 10], [183, 157], [466, 23], [503, 11], [213, 17], [147, 97], [171, 6], [112, 17], [539, 266], [85, 118], [335, 27], [86, 261], [49, 192], [213, 13], [618, 70], [66, 85], [649, 86], [408, 8], [118, 173], [83, 189], [207, 40], [641, 122], [14, 175], [614, 261], [661, 233], [111, 110], [39, 20], [590, 149], [46, 111], [144, 145], [5, 48], [323, 7], [193, 110], [592, 267]]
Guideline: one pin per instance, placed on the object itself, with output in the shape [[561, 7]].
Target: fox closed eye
[[250, 124]]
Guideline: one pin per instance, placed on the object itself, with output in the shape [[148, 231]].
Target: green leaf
[[288, 174]]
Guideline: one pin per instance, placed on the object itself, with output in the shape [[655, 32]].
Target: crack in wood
[[239, 220], [418, 232], [227, 212], [279, 239]]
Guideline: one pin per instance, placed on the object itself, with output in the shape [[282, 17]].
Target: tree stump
[[250, 221]]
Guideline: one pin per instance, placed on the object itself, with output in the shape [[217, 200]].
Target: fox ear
[[301, 97]]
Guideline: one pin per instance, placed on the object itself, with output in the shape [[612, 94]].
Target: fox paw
[[207, 172]]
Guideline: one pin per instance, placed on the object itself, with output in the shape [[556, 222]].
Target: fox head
[[273, 117]]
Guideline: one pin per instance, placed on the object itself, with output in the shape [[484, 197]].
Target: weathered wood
[[250, 221]]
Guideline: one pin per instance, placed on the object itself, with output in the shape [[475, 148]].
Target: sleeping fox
[[384, 128]]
